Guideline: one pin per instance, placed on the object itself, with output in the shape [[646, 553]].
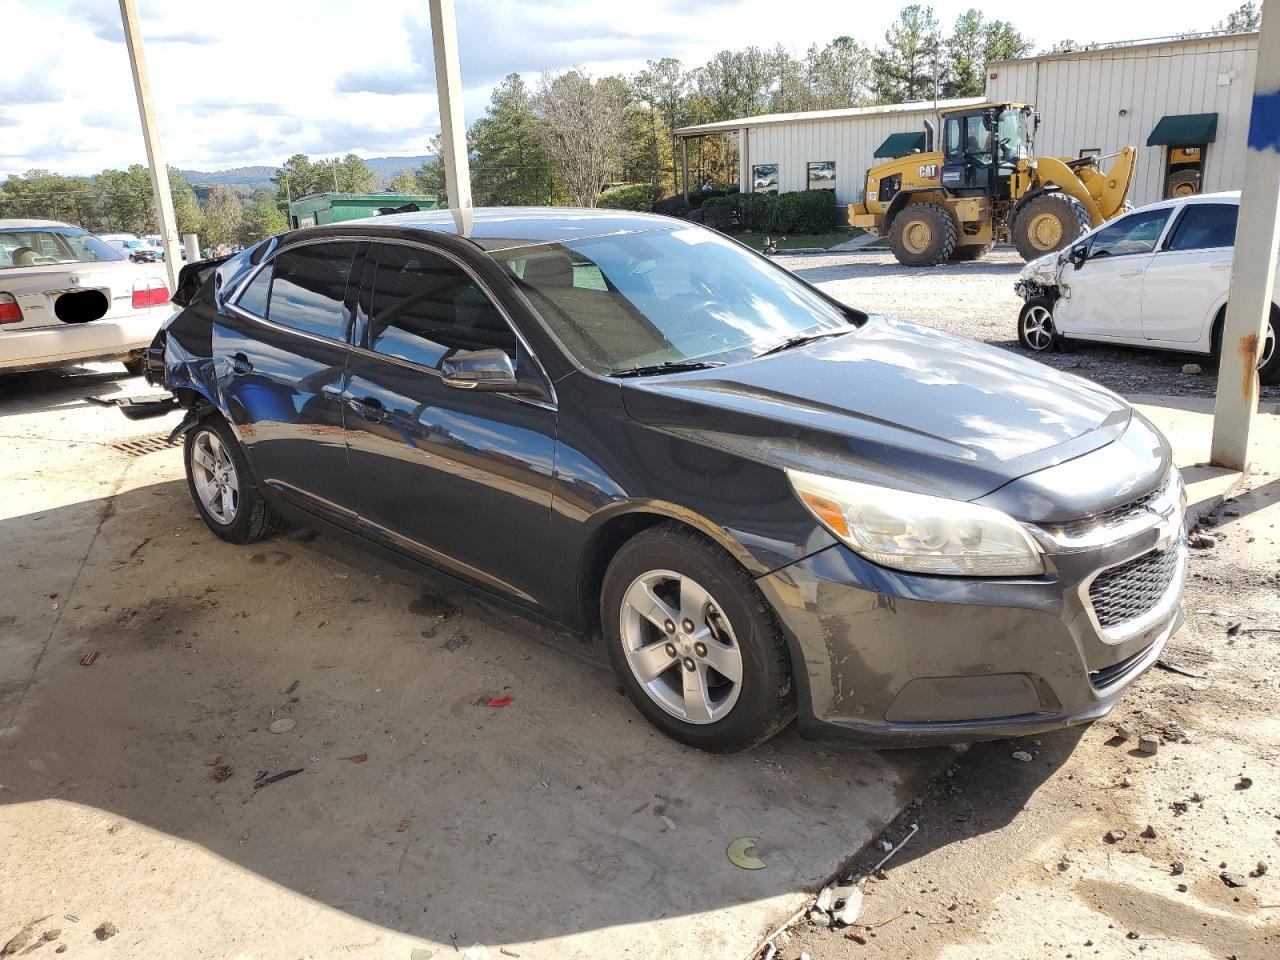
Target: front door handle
[[1129, 273], [370, 409], [240, 363]]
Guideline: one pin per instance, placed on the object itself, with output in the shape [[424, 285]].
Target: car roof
[[34, 224], [498, 228], [1225, 196]]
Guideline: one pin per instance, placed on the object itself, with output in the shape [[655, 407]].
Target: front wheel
[[1035, 324], [693, 642], [922, 235], [1046, 223]]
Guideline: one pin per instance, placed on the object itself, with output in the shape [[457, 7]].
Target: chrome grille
[[1114, 517], [1129, 590]]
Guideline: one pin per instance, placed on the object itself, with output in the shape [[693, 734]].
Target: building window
[[822, 175], [764, 178]]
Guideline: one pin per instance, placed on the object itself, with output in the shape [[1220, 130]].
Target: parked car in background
[[767, 503], [1156, 277], [66, 296]]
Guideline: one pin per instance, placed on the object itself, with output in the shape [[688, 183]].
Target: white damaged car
[[1156, 277], [67, 297]]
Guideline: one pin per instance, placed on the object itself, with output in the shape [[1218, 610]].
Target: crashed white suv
[[1155, 277], [66, 297]]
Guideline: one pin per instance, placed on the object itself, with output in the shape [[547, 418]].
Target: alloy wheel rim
[[1037, 328], [217, 483], [1268, 346], [1046, 231], [680, 647]]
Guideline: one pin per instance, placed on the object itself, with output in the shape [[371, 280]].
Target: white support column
[[744, 160], [453, 127], [1253, 265], [191, 243], [151, 136]]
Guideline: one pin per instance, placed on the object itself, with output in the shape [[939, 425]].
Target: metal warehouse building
[[1184, 103]]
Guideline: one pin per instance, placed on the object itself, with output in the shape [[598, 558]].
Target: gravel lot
[[977, 300]]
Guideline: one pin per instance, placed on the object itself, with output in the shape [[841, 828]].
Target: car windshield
[[35, 248], [666, 296]]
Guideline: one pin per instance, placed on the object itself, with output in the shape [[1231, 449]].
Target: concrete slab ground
[[559, 826]]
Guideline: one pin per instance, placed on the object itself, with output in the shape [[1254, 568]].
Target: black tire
[[1184, 183], [941, 235], [1072, 217], [1269, 371], [971, 251], [1028, 331], [766, 700], [253, 519], [136, 367]]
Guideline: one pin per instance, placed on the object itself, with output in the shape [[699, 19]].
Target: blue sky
[[239, 82]]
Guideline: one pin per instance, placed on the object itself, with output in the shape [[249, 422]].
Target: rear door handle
[[240, 363], [370, 409]]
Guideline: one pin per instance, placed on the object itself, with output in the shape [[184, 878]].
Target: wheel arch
[[1215, 328], [618, 523], [904, 197]]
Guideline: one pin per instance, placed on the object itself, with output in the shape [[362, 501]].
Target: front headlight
[[917, 533]]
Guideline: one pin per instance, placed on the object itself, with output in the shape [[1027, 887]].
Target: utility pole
[[453, 127], [1253, 264], [151, 136], [333, 168]]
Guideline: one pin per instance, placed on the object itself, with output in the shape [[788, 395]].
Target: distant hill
[[385, 169]]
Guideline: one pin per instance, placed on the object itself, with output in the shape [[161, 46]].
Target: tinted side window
[[1204, 226], [309, 286], [256, 295], [425, 307], [1136, 233]]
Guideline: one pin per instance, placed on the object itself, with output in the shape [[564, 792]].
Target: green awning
[[900, 144], [1184, 130]]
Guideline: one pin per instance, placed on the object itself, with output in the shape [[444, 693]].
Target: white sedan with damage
[[1156, 277], [67, 297]]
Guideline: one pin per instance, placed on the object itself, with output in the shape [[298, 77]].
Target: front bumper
[[896, 659]]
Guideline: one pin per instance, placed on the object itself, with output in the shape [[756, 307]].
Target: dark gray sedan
[[767, 505]]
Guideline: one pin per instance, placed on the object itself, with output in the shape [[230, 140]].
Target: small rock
[[1197, 797], [1191, 368], [1233, 879], [1022, 756], [1202, 541], [1132, 935], [1126, 782], [1115, 836], [1258, 870], [1176, 868], [105, 931], [1125, 731], [1244, 783], [1148, 743], [1149, 833], [62, 948], [212, 760], [1182, 888], [283, 725], [49, 935]]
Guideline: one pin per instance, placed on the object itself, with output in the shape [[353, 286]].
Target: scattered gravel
[[976, 300]]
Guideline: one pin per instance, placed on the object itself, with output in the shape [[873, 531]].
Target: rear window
[[1206, 225], [37, 248]]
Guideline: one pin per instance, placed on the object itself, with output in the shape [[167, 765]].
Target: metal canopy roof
[[1184, 130], [900, 144], [849, 113]]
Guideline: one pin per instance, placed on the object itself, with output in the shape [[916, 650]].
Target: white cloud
[[248, 81]]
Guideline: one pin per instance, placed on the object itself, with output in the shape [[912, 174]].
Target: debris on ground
[[213, 759], [498, 701], [1259, 869], [1233, 879], [402, 826], [1176, 868], [456, 642], [282, 725], [1022, 756], [1148, 743], [421, 953], [1115, 836], [293, 687], [105, 931], [1191, 368], [263, 780], [430, 631], [88, 659], [1180, 669], [1125, 731], [1244, 783], [738, 855], [1149, 833], [671, 824], [1202, 541], [356, 757], [221, 773]]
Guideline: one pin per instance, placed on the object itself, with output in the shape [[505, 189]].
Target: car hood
[[890, 403], [1044, 270]]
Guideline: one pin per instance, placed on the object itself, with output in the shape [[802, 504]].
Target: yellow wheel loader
[[986, 184]]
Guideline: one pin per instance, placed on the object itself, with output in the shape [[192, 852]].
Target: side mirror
[[488, 370], [1037, 120], [990, 119], [1079, 253]]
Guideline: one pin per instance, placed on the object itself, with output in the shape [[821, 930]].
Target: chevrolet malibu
[[766, 504]]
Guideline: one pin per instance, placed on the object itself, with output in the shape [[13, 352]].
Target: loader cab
[[981, 147]]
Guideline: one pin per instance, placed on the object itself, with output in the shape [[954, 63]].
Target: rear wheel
[[1184, 183], [1035, 324], [136, 366], [693, 642], [222, 485], [1047, 223], [1269, 356], [922, 234]]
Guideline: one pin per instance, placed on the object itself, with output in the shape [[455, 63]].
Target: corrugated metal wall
[[1081, 98], [849, 142]]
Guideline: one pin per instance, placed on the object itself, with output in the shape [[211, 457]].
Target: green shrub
[[631, 196], [755, 210], [803, 211], [717, 216]]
